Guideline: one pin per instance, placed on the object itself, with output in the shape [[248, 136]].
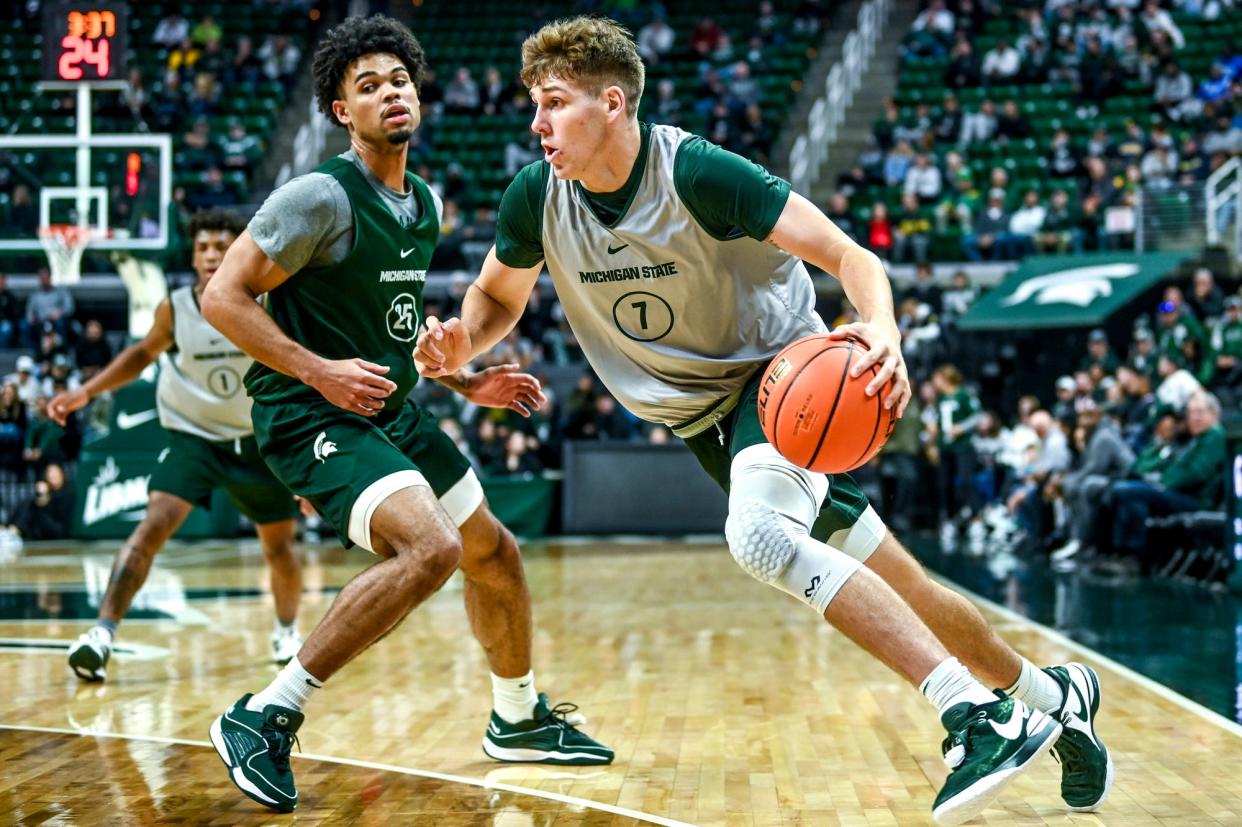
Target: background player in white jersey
[[657, 243], [206, 413]]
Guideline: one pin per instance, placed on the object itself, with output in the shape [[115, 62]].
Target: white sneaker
[[285, 646], [1066, 551], [89, 656]]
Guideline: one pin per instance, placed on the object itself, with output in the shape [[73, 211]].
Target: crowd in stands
[[947, 169], [1133, 433], [58, 353]]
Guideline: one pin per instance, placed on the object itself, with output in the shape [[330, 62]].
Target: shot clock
[[84, 41]]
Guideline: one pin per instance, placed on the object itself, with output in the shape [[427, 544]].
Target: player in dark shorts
[[210, 445], [342, 255]]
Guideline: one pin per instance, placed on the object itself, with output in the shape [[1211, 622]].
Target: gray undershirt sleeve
[[308, 222]]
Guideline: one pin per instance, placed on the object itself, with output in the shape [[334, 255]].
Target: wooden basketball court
[[727, 702]]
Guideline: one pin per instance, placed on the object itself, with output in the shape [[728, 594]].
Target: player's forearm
[[122, 370], [486, 320], [457, 382], [234, 312], [866, 286]]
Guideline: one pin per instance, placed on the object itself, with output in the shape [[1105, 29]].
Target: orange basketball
[[818, 416]]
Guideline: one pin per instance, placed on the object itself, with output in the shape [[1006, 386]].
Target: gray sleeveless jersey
[[200, 388], [671, 317]]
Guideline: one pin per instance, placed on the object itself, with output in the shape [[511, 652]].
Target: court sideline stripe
[[371, 765], [1192, 706]]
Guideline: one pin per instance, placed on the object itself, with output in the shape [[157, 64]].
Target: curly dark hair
[[216, 218], [350, 40]]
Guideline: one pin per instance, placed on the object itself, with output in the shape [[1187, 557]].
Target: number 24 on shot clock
[[84, 41]]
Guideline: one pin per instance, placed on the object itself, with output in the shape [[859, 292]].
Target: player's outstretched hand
[[65, 403], [884, 351], [503, 387], [354, 385], [443, 348]]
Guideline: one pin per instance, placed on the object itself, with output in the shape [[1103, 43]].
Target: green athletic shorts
[[846, 506], [345, 464], [192, 467]]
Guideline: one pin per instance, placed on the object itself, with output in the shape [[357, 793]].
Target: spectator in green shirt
[[1190, 482], [1223, 366], [958, 414]]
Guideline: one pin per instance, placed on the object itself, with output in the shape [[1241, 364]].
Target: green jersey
[[367, 305], [959, 410]]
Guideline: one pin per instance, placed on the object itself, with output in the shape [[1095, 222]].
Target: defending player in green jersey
[[342, 255]]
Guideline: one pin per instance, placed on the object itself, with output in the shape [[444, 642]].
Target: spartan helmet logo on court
[[323, 446], [403, 318]]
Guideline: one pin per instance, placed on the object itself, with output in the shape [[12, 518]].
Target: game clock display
[[84, 41]]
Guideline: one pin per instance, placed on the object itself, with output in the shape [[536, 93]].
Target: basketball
[[818, 416]]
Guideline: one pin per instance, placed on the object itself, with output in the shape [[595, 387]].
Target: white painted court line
[[1211, 716], [370, 765]]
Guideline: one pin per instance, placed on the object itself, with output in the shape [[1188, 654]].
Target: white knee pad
[[772, 505]]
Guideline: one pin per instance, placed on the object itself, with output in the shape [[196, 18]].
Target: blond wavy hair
[[593, 52]]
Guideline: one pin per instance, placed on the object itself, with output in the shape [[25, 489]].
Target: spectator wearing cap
[[26, 380], [1177, 327], [1099, 353], [1064, 409], [1223, 367], [1191, 482], [1142, 358]]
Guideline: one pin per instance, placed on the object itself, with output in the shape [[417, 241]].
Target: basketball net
[[64, 244]]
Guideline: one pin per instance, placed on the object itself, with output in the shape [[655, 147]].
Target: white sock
[[102, 634], [279, 629], [514, 699], [292, 688], [1036, 688], [950, 684]]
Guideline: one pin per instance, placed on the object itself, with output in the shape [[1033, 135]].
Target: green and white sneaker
[[255, 746], [550, 737], [89, 655], [1086, 766], [988, 746]]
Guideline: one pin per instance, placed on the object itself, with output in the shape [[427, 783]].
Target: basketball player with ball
[[679, 267]]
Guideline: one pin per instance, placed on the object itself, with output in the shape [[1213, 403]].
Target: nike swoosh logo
[[405, 253], [617, 250], [215, 342], [1010, 730], [313, 685], [126, 420]]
